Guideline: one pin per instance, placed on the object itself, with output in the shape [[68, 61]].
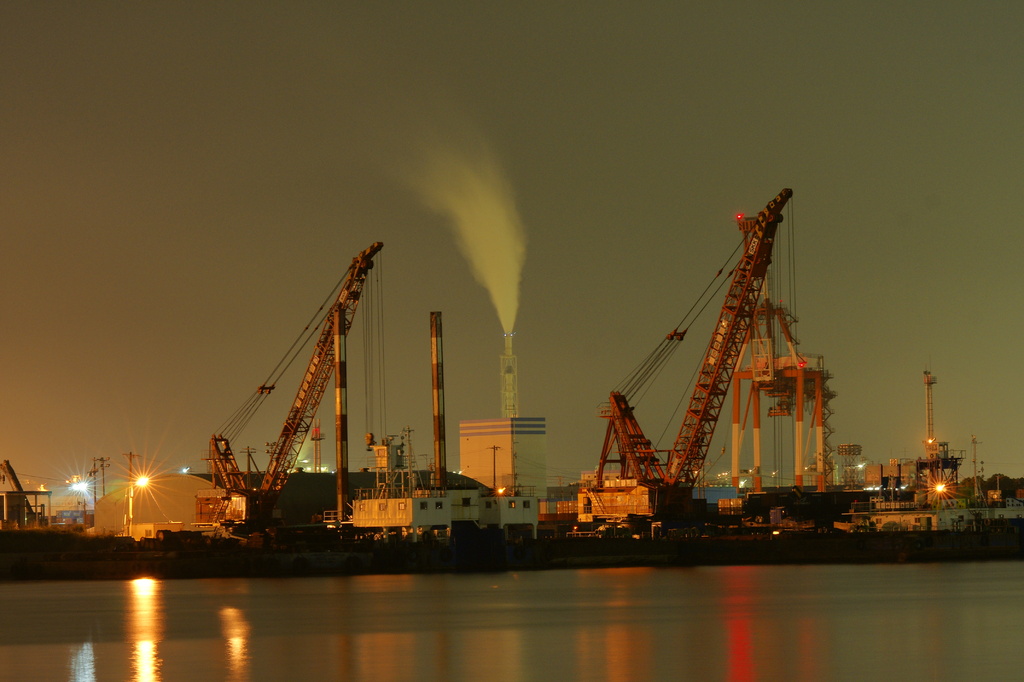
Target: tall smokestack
[[509, 381], [439, 477]]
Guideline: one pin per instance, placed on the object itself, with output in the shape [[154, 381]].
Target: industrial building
[[509, 453], [185, 501]]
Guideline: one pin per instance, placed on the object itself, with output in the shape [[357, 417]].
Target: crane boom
[[318, 374], [285, 450], [7, 474], [637, 458], [645, 484], [691, 446]]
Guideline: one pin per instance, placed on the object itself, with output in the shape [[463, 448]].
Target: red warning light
[[802, 363], [739, 216]]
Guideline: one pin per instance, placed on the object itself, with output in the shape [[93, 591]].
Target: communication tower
[[938, 471], [931, 448]]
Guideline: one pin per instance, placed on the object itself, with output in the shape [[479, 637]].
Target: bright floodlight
[[80, 486], [940, 487], [142, 481]]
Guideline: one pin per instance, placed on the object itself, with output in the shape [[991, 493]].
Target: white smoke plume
[[467, 185]]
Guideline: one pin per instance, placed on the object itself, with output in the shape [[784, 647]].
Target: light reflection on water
[[83, 663], [145, 628], [236, 635], [736, 623]]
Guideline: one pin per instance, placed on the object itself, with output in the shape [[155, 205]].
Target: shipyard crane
[[260, 501], [7, 474], [646, 483], [20, 510], [791, 379]]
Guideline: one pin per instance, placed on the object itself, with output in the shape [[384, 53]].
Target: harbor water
[[887, 621]]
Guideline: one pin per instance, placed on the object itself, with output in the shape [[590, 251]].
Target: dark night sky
[[182, 183]]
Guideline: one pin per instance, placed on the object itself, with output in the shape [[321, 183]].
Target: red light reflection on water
[[765, 630], [737, 622]]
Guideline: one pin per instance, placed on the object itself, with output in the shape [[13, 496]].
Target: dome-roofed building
[[179, 501]]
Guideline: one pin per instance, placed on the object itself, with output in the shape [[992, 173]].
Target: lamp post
[[140, 482], [82, 488]]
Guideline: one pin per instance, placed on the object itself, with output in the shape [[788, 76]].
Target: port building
[[509, 452]]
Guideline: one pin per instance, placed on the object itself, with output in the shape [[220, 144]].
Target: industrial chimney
[[509, 381], [439, 477]]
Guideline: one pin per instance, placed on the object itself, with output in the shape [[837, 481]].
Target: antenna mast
[[931, 448]]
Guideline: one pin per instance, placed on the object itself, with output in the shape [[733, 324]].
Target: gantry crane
[[260, 501], [791, 379], [646, 484]]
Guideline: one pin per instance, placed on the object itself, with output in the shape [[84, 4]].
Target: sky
[[182, 184]]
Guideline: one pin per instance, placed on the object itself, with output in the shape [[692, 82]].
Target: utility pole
[[974, 462], [100, 463], [131, 464], [494, 464], [250, 463]]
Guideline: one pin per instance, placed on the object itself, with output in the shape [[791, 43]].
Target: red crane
[[284, 452], [691, 446], [667, 483]]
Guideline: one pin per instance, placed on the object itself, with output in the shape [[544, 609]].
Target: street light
[[140, 482], [81, 487]]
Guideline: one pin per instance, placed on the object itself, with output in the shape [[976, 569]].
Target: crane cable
[[791, 277], [241, 417], [792, 262], [684, 397], [639, 381]]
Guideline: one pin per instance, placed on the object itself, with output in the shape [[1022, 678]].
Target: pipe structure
[[798, 434], [757, 440], [736, 443]]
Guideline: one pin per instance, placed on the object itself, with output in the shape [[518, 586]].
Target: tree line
[[1009, 485]]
